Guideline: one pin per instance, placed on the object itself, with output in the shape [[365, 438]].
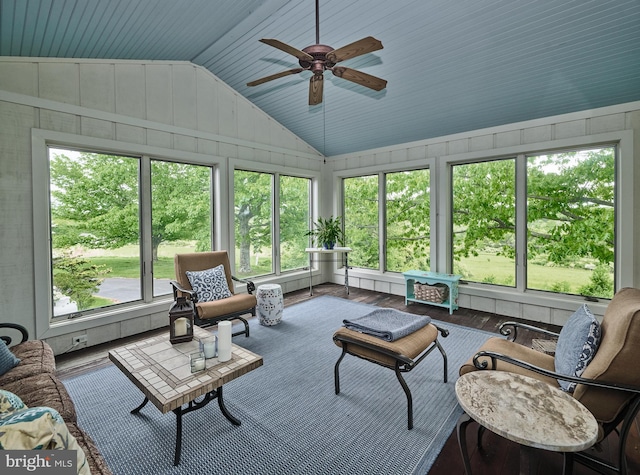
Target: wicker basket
[[437, 293]]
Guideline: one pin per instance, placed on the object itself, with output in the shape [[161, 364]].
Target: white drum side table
[[270, 304]]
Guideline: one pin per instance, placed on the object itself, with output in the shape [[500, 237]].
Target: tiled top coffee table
[[163, 373]]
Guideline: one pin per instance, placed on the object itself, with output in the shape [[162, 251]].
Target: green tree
[[484, 207], [252, 204], [95, 201], [569, 206], [181, 204], [407, 220], [361, 220], [600, 284], [78, 279], [295, 199]]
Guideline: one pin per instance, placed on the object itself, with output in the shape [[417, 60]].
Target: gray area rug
[[292, 421]]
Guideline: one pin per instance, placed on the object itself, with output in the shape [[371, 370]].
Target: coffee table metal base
[[190, 407], [526, 452]]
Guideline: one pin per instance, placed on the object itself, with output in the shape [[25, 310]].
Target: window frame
[[493, 298], [451, 263], [524, 158], [156, 307], [276, 172], [624, 169], [381, 171]]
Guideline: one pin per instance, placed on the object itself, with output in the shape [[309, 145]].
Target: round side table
[[270, 304]]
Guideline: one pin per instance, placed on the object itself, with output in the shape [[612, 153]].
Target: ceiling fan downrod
[[317, 22]]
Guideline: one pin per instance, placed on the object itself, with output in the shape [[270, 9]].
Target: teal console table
[[431, 278]]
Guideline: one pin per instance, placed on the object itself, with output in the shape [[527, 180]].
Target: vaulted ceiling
[[451, 65]]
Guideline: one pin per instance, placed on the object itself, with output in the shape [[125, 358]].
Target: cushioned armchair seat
[[234, 304], [516, 351], [231, 307], [609, 387]]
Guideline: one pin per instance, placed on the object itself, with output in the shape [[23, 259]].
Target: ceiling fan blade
[[316, 84], [301, 55], [359, 77], [360, 47], [274, 76]]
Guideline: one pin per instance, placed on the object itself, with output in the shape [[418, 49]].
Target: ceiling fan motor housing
[[320, 63]]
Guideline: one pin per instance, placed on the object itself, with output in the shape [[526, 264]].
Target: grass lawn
[[124, 262], [500, 270], [130, 267]]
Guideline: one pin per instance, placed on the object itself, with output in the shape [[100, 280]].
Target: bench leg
[[409, 397], [336, 371], [444, 358]]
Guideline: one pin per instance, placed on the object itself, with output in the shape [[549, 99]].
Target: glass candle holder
[[208, 346], [197, 361]]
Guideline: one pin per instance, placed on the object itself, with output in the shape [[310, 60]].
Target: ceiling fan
[[318, 58]]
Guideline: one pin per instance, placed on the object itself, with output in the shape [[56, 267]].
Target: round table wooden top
[[526, 411]]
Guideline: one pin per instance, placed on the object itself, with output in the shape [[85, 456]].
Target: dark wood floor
[[498, 457]]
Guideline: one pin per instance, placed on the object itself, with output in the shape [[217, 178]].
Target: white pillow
[[210, 284]]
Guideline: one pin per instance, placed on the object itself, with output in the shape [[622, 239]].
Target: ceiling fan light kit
[[319, 58]]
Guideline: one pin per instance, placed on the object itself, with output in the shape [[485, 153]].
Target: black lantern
[[181, 321]]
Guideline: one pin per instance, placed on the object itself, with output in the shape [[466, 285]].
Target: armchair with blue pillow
[[205, 279], [594, 362]]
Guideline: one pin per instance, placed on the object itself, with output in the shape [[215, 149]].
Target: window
[[484, 220], [295, 203], [408, 231], [95, 230], [405, 212], [180, 216], [568, 242], [571, 222], [99, 236], [253, 205], [361, 220], [256, 224]]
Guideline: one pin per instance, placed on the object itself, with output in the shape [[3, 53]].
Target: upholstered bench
[[401, 355]]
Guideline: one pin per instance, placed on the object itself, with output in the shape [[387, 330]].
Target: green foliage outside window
[[361, 220], [295, 202], [408, 227], [78, 279]]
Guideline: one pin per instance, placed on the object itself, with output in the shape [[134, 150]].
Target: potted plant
[[327, 232]]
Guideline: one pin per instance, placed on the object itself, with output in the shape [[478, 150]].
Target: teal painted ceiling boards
[[451, 66]]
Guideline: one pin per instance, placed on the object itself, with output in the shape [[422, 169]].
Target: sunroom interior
[[158, 94]]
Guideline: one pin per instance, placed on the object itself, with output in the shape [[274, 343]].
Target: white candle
[[197, 362], [209, 348], [224, 341], [180, 327], [199, 365]]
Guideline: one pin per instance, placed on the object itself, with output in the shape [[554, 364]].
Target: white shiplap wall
[[606, 125], [167, 109]]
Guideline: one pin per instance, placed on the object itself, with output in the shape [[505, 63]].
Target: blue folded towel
[[388, 324]]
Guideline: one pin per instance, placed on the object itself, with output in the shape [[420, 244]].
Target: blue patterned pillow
[[577, 345], [210, 284], [7, 359]]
